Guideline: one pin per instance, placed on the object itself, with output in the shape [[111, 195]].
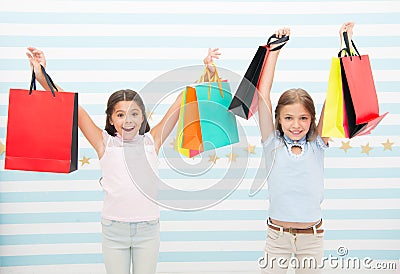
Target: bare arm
[[264, 89], [89, 129], [163, 129]]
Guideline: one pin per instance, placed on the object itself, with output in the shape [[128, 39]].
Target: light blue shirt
[[295, 182]]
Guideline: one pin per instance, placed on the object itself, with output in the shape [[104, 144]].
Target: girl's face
[[127, 118], [295, 121]]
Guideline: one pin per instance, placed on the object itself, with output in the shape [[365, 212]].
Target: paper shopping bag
[[179, 135], [218, 125], [42, 130], [333, 111], [207, 122], [361, 101], [192, 135], [245, 101]]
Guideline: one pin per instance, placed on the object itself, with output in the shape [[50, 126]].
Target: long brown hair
[[293, 96], [125, 95]]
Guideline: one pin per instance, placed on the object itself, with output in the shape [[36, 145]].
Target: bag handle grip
[[347, 48], [283, 40], [48, 80], [215, 78]]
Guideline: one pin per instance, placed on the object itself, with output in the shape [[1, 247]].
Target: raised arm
[[89, 129], [348, 27], [264, 89]]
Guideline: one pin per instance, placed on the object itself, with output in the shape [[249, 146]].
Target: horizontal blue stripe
[[68, 196], [7, 261], [143, 65], [13, 175], [189, 42], [168, 236], [50, 238], [110, 87], [217, 19], [78, 217], [211, 256]]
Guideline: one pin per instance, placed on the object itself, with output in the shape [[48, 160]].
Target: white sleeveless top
[[129, 179]]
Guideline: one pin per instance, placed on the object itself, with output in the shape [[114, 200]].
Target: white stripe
[[362, 183], [363, 162], [182, 7], [25, 250], [185, 30], [46, 186], [175, 53], [215, 225], [187, 246], [50, 207], [232, 205], [242, 267], [59, 269], [51, 228], [360, 204]]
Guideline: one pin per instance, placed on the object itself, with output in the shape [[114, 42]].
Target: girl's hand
[[279, 33], [36, 58], [348, 27], [212, 53]]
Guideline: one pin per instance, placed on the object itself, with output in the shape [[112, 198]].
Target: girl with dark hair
[[294, 153], [130, 218]]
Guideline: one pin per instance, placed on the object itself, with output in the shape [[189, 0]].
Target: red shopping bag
[[359, 93], [42, 129]]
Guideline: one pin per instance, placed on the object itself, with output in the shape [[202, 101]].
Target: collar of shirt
[[291, 142]]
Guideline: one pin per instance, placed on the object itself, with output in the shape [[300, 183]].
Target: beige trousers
[[284, 250]]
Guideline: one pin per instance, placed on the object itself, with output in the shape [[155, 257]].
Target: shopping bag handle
[[48, 80], [347, 48], [211, 80], [283, 40]]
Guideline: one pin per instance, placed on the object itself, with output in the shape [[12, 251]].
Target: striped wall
[[50, 222]]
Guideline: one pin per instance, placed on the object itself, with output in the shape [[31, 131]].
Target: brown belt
[[308, 230]]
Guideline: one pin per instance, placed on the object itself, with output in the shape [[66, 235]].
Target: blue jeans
[[136, 242]]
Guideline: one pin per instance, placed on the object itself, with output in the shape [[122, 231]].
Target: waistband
[[309, 230]]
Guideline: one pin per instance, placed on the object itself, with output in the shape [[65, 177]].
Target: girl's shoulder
[[319, 143], [148, 139]]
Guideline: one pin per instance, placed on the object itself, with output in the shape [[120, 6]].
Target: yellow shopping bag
[[333, 113]]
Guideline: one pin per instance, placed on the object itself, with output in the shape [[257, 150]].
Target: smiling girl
[[295, 150], [127, 150]]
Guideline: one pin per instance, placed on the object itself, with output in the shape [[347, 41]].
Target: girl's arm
[[264, 89], [348, 27], [92, 132]]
